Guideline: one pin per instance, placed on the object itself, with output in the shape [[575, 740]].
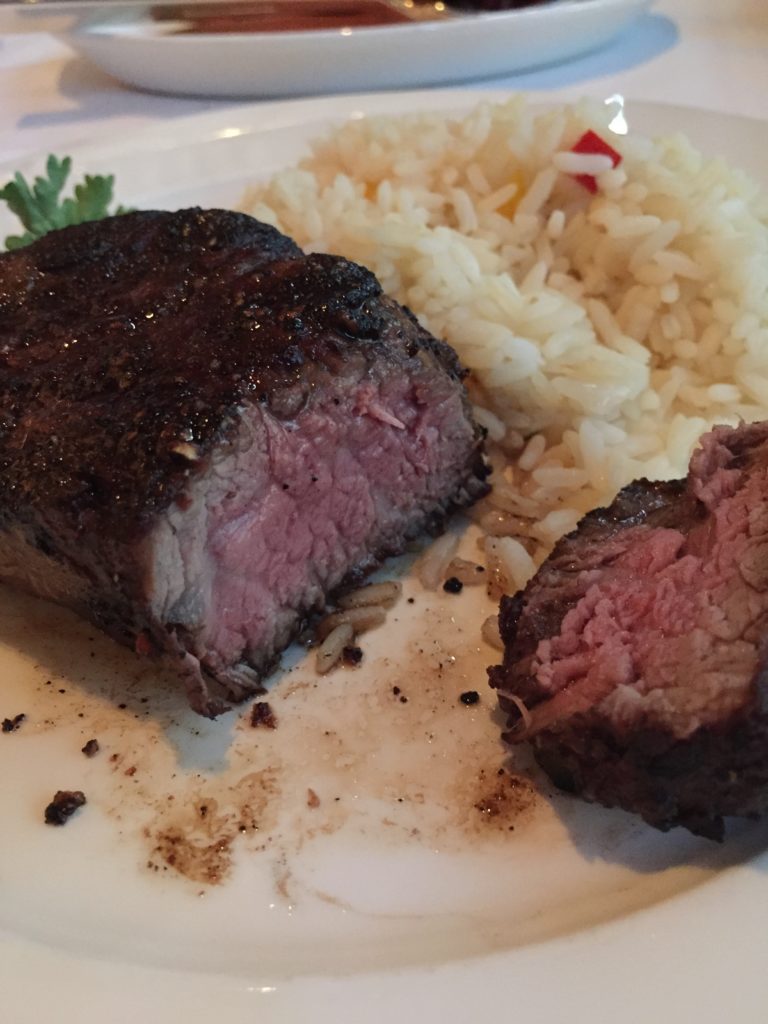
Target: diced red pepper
[[590, 142], [143, 645]]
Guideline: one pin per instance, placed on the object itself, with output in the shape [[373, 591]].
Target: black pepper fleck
[[352, 655], [91, 748], [12, 724], [470, 697], [453, 585]]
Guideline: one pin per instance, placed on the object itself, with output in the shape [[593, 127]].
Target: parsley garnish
[[41, 209]]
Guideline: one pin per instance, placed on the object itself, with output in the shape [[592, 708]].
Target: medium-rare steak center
[[203, 432]]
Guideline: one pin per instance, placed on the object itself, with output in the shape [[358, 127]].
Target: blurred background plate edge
[[133, 49]]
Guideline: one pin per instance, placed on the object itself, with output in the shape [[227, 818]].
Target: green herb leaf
[[41, 209]]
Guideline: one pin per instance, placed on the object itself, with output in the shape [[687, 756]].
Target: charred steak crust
[[694, 783], [241, 314], [144, 358], [690, 745]]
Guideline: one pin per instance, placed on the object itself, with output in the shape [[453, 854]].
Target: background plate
[[423, 885], [142, 53]]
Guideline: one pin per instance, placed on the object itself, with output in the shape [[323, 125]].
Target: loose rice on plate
[[605, 333]]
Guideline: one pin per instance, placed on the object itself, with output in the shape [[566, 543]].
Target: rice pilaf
[[605, 332]]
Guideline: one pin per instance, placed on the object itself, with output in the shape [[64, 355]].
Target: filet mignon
[[203, 432], [635, 660]]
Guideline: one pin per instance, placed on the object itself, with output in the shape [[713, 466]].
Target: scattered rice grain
[[432, 565], [385, 594], [330, 651], [359, 619]]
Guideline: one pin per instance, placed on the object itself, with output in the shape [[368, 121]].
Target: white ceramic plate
[[148, 54], [201, 883]]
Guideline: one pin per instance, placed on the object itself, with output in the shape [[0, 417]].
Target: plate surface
[[203, 875], [147, 54]]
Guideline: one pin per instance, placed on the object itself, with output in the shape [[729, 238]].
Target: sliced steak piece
[[203, 432], [635, 660]]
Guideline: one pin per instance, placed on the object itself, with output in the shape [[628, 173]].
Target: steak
[[635, 659], [205, 432]]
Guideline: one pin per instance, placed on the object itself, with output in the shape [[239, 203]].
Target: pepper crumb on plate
[[453, 585], [91, 748], [63, 806], [262, 714], [12, 724], [352, 655], [470, 697]]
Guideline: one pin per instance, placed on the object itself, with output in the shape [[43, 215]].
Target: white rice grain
[[581, 163], [490, 633], [532, 452], [359, 619], [384, 594], [517, 564], [432, 565], [331, 649]]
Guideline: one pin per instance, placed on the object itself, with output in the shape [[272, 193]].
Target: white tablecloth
[[703, 53]]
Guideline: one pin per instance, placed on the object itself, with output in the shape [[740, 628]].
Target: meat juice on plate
[[375, 812]]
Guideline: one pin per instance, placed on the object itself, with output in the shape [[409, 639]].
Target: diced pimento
[[592, 144]]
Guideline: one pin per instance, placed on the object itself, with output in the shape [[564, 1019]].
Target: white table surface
[[702, 53]]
